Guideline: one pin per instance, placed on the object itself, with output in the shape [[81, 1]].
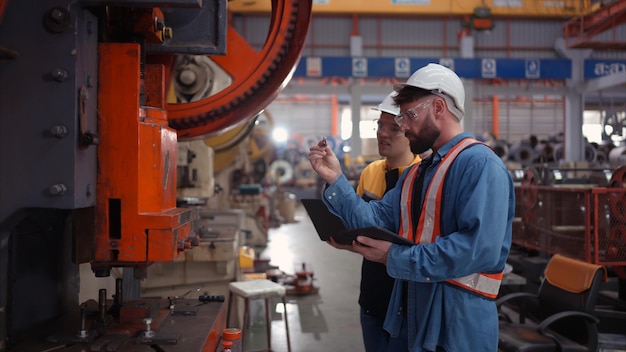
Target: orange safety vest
[[429, 226]]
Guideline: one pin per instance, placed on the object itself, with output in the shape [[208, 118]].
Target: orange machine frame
[[137, 221]]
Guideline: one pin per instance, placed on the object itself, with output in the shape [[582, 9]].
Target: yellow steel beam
[[499, 8]]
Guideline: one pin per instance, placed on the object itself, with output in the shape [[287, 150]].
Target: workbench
[[183, 325]]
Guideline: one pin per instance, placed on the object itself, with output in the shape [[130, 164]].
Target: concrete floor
[[325, 321]]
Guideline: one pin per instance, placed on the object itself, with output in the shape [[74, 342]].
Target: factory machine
[[89, 139]]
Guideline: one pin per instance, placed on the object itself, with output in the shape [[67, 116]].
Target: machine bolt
[[119, 292], [187, 77], [59, 131], [58, 189], [59, 74], [148, 332], [57, 15], [168, 33], [82, 333], [57, 20], [102, 304]]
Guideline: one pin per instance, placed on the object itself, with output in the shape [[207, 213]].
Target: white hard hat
[[439, 80], [388, 105]]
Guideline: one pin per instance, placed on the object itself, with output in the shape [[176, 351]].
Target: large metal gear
[[257, 76]]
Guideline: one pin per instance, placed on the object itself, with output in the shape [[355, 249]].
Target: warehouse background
[[510, 109]]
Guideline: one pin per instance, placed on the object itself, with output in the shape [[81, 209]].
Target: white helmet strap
[[449, 102]]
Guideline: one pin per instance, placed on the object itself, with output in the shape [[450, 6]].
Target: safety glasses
[[389, 127], [412, 113]]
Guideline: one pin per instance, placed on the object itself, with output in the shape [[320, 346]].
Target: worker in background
[[457, 206], [377, 178]]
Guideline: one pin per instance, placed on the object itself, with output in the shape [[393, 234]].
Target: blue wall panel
[[385, 67]]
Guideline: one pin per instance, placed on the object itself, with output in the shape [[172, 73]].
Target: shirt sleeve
[[343, 201], [359, 187]]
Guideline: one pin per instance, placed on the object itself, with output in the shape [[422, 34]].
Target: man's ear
[[439, 106]]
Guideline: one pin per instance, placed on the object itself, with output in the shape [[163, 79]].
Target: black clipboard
[[328, 224]]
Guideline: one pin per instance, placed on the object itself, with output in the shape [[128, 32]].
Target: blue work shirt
[[478, 209]]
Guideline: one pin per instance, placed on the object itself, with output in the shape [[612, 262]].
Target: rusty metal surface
[[587, 223], [193, 327]]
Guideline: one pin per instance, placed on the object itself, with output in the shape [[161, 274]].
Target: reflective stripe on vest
[[429, 226]]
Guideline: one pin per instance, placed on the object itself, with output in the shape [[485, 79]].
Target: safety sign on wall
[[489, 68], [403, 67], [533, 68], [314, 66], [359, 67]]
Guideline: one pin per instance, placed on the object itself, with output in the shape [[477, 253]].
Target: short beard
[[425, 137]]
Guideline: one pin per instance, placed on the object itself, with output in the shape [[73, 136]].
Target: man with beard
[[457, 207], [377, 178]]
